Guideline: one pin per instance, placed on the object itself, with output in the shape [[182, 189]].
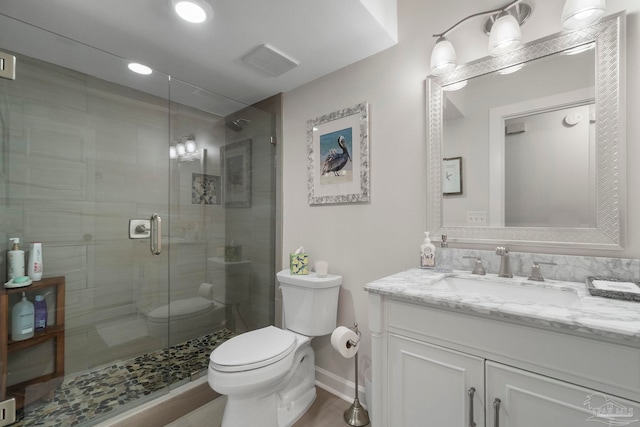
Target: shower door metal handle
[[156, 234]]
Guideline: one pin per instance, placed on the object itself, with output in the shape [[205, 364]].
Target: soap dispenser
[[445, 257], [22, 320], [427, 253], [15, 259]]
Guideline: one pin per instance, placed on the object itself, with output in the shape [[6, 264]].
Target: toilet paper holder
[[352, 343], [356, 415]]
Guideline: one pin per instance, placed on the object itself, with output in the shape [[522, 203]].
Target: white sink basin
[[533, 293]]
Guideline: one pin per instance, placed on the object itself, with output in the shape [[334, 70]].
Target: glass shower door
[[84, 150]]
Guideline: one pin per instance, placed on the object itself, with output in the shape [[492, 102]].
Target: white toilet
[[268, 374]]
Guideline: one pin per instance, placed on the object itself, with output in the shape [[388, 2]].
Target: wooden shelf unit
[[44, 385]]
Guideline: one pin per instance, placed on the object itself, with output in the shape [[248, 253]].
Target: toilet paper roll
[[206, 290], [339, 338]]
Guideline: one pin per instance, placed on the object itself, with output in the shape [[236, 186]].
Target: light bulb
[[505, 35], [581, 13], [443, 57], [173, 153], [190, 145], [191, 11], [140, 69], [181, 149]]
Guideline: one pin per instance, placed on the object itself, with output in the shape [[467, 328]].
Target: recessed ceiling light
[[192, 11], [140, 69]]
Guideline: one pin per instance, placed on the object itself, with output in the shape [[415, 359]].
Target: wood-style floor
[[326, 411]]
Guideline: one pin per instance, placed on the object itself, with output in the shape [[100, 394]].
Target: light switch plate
[[477, 218]]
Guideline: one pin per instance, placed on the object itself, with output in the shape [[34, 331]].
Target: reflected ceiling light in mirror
[[581, 13], [185, 149], [512, 69], [193, 11], [503, 28], [454, 86], [139, 68]]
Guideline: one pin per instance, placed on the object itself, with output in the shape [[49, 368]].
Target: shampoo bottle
[[427, 253], [15, 258], [35, 262], [22, 319], [40, 307]]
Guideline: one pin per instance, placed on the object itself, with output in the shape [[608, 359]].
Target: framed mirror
[[542, 148]]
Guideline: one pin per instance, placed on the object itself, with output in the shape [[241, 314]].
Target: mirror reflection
[[527, 136]]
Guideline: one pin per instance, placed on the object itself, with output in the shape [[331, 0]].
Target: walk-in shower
[[87, 147]]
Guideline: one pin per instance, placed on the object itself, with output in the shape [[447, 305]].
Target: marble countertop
[[596, 317]]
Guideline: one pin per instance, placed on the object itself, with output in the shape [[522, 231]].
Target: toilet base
[[282, 407]]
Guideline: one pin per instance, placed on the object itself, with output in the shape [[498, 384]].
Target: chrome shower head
[[238, 125]]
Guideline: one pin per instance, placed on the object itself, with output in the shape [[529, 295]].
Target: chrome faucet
[[536, 274], [478, 268], [505, 266]]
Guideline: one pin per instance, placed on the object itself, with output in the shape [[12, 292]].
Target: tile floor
[[93, 395]]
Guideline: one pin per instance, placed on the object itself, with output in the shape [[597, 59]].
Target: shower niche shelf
[[32, 389]]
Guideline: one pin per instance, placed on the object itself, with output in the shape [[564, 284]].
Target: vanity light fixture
[[139, 68], [185, 149], [194, 11], [581, 13], [503, 28]]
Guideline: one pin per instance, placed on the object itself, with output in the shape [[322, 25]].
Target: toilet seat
[[253, 350]]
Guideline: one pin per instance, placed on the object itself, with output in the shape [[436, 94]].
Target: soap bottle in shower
[[427, 253], [445, 257], [15, 258], [22, 319]]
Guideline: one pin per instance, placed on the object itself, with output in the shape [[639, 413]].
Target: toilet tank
[[309, 302]]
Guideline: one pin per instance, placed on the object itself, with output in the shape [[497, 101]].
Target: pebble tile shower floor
[[94, 394]]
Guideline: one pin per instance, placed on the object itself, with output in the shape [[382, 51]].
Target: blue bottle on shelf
[[40, 307]]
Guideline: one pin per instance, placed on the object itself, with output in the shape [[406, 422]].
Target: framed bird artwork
[[338, 156]]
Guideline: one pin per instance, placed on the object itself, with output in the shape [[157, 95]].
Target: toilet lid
[[253, 350]]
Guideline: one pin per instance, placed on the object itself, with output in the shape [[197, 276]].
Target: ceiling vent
[[269, 60]]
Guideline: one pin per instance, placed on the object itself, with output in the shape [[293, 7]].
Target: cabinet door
[[429, 385], [531, 400]]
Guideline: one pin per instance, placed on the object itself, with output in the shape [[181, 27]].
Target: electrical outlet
[[8, 412], [477, 218]]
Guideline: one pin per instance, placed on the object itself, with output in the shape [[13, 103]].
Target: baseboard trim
[[339, 387]]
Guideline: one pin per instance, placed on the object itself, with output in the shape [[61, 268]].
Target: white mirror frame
[[609, 35]]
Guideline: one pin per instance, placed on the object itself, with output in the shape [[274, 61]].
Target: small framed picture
[[452, 176]]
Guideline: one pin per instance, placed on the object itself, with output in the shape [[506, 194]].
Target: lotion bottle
[[15, 258], [35, 262], [22, 320], [427, 253]]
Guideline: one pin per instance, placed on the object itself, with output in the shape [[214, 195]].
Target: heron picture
[[336, 164]]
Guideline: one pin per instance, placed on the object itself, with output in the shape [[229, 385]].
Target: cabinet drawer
[[592, 363]]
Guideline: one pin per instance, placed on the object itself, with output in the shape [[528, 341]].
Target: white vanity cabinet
[[434, 384], [425, 359], [530, 400]]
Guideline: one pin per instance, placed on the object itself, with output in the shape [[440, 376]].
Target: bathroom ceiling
[[322, 36]]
